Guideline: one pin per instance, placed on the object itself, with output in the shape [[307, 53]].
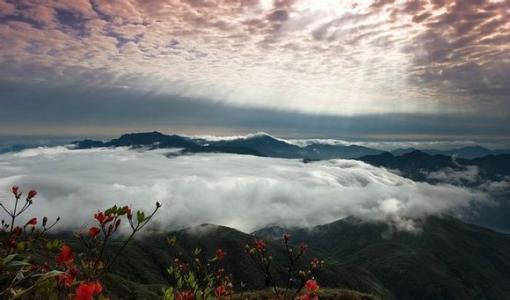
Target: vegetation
[[37, 266], [34, 266], [447, 259]]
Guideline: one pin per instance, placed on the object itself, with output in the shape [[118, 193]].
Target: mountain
[[141, 270], [417, 165], [152, 139], [464, 152], [263, 144], [447, 259], [259, 144], [470, 152], [402, 151], [325, 151], [13, 148]]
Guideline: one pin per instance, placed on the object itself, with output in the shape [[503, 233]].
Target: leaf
[[19, 294], [140, 216], [8, 258], [122, 210], [171, 241], [168, 293], [50, 274], [21, 246], [18, 263]]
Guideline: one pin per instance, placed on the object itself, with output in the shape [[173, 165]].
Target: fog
[[243, 192]]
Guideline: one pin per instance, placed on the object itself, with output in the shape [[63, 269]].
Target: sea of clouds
[[240, 191]]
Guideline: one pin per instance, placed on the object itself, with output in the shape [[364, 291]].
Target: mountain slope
[[259, 144], [469, 152], [417, 164], [449, 259]]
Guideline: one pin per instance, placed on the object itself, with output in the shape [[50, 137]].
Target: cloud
[[334, 57], [95, 108], [243, 192], [469, 175]]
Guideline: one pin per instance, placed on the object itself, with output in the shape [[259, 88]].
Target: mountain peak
[[260, 135]]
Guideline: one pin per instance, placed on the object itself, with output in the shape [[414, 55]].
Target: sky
[[382, 69]]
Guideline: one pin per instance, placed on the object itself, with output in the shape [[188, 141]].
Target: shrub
[[34, 266]]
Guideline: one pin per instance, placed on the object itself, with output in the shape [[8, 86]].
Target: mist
[[239, 191]]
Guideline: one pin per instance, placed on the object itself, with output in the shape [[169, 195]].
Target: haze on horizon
[[399, 69]]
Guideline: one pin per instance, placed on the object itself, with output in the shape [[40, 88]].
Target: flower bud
[[32, 222], [286, 237], [15, 191], [31, 195]]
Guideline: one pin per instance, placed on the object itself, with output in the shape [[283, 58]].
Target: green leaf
[[140, 216], [50, 274], [171, 241], [8, 258], [18, 263], [122, 210], [21, 246], [19, 294], [168, 293]]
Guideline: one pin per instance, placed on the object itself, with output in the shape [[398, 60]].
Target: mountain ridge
[[446, 259], [263, 144]]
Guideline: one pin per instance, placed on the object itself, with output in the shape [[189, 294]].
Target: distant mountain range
[[448, 259], [418, 165], [265, 145], [474, 167], [470, 152]]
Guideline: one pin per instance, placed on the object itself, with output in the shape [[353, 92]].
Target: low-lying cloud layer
[[243, 192]]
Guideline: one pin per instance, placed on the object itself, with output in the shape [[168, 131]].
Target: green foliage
[[197, 276]]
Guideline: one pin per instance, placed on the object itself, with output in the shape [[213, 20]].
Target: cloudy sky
[[407, 69]]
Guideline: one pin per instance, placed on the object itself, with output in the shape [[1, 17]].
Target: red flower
[[94, 231], [311, 285], [87, 290], [31, 194], [184, 295], [260, 245], [100, 217], [220, 291], [32, 221], [65, 256], [220, 254], [15, 191]]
